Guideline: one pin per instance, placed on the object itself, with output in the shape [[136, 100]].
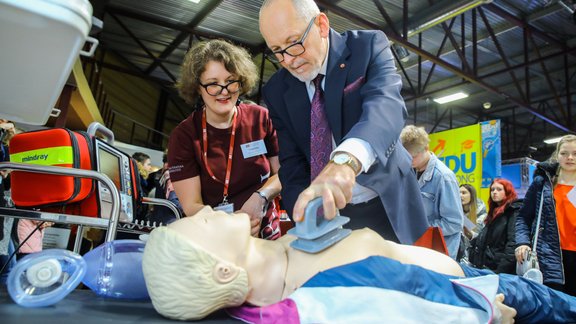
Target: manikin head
[[284, 23], [187, 265]]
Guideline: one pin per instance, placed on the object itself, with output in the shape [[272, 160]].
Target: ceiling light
[[450, 98], [553, 140], [195, 1]]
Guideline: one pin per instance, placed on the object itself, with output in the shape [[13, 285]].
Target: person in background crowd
[[146, 183], [225, 154], [361, 279], [552, 195], [493, 248], [475, 210], [343, 145], [438, 187], [7, 131], [30, 236], [144, 169], [165, 190]]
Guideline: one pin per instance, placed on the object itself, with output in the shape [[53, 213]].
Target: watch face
[[341, 158]]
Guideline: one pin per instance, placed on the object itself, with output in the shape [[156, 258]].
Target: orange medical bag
[[48, 192]]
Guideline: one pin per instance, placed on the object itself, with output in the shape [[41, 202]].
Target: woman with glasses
[[225, 154], [549, 216]]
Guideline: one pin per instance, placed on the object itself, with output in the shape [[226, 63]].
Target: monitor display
[[109, 164]]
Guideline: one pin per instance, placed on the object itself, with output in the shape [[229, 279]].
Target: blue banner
[[491, 152]]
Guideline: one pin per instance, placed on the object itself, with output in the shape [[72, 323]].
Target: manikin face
[[567, 156], [497, 193], [281, 27], [464, 196], [223, 103], [224, 235]]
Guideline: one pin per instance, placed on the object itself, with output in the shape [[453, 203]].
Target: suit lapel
[[298, 109], [337, 72]]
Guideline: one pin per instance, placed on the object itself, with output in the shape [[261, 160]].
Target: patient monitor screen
[[109, 165]]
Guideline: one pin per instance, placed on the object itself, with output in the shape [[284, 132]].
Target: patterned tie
[[320, 135]]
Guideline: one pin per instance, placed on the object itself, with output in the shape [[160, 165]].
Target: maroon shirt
[[247, 175]]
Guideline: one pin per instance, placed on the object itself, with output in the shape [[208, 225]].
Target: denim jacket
[[441, 198]]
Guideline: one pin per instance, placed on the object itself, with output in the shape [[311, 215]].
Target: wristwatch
[[343, 158]]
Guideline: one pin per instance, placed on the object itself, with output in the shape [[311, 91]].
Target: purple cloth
[[320, 135], [284, 311]]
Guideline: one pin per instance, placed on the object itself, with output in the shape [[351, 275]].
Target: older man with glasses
[[337, 108]]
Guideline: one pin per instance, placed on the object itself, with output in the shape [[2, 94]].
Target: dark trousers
[[569, 264], [569, 261], [370, 214]]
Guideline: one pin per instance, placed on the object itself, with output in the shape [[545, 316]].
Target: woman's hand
[[254, 207], [521, 251]]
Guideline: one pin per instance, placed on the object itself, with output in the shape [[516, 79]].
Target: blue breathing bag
[[113, 269]]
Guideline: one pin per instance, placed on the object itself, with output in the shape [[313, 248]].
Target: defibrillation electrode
[[315, 233]]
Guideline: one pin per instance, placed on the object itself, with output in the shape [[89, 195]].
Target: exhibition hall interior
[[89, 99]]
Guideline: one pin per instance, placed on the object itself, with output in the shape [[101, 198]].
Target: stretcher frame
[[111, 224]]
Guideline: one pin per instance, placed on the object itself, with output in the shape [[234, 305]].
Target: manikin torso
[[359, 245]]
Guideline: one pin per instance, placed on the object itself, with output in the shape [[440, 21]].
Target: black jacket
[[494, 246]]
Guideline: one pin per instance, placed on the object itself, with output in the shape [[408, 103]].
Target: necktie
[[320, 133]]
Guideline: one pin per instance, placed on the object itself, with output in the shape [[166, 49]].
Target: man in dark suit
[[369, 171]]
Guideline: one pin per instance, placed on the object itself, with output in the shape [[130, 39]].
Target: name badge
[[225, 207], [253, 149]]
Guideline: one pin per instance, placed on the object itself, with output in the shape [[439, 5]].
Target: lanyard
[[230, 153]]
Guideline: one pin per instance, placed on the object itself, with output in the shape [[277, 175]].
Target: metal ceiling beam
[[522, 24], [455, 70], [137, 40], [183, 35], [438, 13]]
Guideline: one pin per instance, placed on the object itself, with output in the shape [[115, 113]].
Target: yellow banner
[[461, 150], [45, 156]]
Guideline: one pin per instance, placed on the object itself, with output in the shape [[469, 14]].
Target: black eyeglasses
[[215, 89], [292, 50]]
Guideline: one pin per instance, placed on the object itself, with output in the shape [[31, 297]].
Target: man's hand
[[334, 184]]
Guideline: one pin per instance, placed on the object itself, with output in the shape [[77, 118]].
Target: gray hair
[[306, 9], [179, 276]]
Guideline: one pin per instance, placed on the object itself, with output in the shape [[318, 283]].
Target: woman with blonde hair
[[550, 203], [473, 208]]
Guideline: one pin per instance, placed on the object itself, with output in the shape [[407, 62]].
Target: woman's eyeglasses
[[215, 89]]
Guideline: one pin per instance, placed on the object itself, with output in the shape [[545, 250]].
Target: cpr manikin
[[207, 262]]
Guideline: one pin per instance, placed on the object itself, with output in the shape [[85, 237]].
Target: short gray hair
[[306, 9]]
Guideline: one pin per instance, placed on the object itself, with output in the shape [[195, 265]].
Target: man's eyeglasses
[[215, 89], [292, 50]]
